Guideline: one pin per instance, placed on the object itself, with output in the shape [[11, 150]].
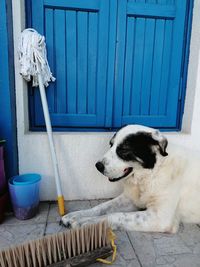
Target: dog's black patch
[[139, 146]]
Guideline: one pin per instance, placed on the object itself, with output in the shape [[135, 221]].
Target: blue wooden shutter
[[150, 37], [77, 41], [116, 62]]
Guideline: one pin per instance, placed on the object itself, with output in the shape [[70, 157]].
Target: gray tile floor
[[134, 249]]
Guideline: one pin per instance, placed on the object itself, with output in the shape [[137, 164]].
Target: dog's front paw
[[70, 220], [74, 222]]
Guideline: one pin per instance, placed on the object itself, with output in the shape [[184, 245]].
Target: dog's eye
[[125, 153], [111, 144]]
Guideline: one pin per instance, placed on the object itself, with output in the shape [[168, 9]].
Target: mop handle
[[51, 144]]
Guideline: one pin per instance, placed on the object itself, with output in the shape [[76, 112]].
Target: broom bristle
[[55, 248]]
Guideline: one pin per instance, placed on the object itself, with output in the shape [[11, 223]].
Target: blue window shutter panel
[[77, 45], [150, 38], [115, 62]]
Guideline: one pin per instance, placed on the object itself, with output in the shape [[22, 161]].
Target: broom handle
[[51, 144]]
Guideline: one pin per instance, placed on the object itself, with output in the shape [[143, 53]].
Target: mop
[[34, 66]]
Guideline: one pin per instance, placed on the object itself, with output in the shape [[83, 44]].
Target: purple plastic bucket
[[2, 173], [25, 196]]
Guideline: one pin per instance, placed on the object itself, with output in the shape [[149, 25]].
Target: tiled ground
[[134, 249]]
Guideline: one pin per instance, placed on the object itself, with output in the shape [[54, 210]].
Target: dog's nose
[[100, 167]]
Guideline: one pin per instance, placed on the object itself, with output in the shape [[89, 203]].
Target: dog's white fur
[[155, 199]]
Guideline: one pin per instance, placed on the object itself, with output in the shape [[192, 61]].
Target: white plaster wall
[[78, 152]]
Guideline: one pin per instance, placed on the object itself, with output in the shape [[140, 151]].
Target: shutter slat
[[138, 66], [60, 60], [71, 34], [129, 62], [49, 28], [147, 67], [164, 85], [92, 62], [82, 61], [157, 67]]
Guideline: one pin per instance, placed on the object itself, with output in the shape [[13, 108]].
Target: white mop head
[[33, 57]]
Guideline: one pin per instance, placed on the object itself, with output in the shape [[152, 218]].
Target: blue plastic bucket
[[24, 193], [26, 179]]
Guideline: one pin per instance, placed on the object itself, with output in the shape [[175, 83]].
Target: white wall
[[78, 152]]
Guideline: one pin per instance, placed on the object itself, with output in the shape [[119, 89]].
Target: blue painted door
[[116, 62]]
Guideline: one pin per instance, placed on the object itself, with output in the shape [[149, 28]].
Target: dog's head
[[132, 148]]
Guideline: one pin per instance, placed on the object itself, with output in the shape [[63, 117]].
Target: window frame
[[110, 74]]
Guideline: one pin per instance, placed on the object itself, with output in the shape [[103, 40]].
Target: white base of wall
[[77, 155], [78, 152]]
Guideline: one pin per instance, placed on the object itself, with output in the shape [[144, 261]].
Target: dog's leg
[[120, 203], [147, 221]]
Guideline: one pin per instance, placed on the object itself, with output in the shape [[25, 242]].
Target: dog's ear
[[162, 142], [162, 147]]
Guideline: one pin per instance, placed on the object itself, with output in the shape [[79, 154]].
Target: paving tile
[[70, 206], [78, 205], [165, 260], [124, 246], [17, 234], [181, 260], [170, 244], [132, 263], [190, 235], [185, 260], [41, 217], [144, 249], [53, 215], [196, 249], [162, 249]]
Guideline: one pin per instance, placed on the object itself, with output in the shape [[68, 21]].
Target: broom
[[34, 65], [77, 247]]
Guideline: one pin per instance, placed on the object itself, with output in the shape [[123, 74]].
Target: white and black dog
[[161, 184]]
